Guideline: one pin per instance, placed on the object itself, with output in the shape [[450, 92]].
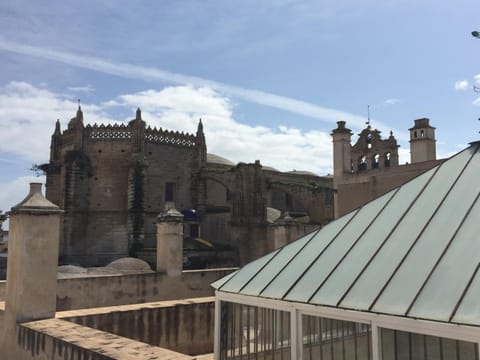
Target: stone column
[[32, 263], [170, 242]]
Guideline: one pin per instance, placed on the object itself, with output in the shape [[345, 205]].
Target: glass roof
[[412, 252]]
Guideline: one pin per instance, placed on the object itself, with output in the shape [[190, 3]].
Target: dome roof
[[216, 159], [302, 172], [129, 264], [264, 167]]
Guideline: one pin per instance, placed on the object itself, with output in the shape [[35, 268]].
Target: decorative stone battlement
[[108, 132], [152, 135], [160, 136]]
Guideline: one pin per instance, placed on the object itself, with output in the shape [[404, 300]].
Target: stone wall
[[357, 189], [111, 181], [56, 339], [89, 292], [184, 326]]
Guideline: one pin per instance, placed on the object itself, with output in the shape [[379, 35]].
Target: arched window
[[369, 140], [362, 163], [387, 159], [376, 161]]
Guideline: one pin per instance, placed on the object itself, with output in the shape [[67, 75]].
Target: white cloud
[[28, 113], [15, 190], [84, 89], [180, 107], [403, 156], [461, 85], [392, 101], [27, 119], [155, 74]]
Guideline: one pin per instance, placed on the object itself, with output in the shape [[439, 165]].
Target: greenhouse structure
[[394, 279]]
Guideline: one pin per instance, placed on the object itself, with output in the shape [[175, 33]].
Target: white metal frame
[[376, 321]]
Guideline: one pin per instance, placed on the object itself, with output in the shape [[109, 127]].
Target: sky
[[269, 79]]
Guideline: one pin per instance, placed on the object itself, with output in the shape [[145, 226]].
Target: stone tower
[[342, 159], [422, 141], [113, 180]]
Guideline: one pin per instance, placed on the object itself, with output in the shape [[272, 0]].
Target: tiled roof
[[413, 252]]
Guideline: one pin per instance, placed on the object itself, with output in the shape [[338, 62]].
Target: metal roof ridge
[[290, 260], [387, 237], [395, 191], [321, 252]]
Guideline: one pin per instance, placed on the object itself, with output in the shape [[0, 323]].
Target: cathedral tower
[[422, 141]]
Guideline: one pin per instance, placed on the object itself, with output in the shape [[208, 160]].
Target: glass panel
[[260, 281], [330, 339], [418, 346], [399, 345], [380, 269], [387, 338], [250, 332], [241, 277], [309, 282], [406, 283], [432, 347], [447, 283], [467, 350], [332, 291], [287, 277], [222, 280], [402, 345], [449, 348]]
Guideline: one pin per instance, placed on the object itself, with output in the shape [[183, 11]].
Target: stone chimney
[[170, 242], [32, 262]]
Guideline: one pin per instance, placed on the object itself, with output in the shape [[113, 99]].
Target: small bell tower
[[422, 141]]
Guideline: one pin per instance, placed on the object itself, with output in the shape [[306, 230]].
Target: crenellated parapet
[[151, 135], [167, 137], [108, 132]]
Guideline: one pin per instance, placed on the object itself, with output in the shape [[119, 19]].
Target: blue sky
[[268, 78]]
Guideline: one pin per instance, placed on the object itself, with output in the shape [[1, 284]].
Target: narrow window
[[194, 230], [369, 140], [362, 163], [288, 202], [170, 192], [387, 159], [375, 161]]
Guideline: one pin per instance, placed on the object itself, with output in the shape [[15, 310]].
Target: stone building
[[370, 167], [112, 181]]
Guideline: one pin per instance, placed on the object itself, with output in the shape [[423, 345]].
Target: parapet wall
[[98, 291], [126, 132], [57, 339], [184, 326]]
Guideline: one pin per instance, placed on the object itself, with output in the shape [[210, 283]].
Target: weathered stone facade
[[370, 168], [112, 181]]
